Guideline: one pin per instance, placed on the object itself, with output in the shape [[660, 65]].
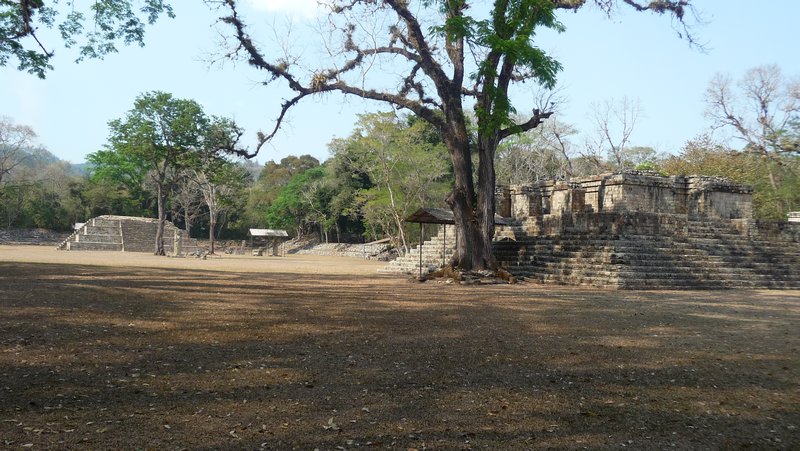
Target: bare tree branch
[[537, 118]]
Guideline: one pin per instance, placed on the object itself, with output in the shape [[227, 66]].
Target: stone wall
[[629, 192], [611, 224], [719, 198]]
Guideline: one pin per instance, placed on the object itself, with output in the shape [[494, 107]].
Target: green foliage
[[110, 21], [160, 130], [104, 197], [649, 166], [41, 195], [146, 151], [509, 35], [117, 183], [164, 137], [273, 177], [702, 157], [36, 188], [387, 168], [292, 210], [396, 166]]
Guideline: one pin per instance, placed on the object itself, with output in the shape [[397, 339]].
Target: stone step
[[705, 269], [700, 254], [643, 248], [100, 230], [675, 281], [84, 246], [97, 238], [103, 222]]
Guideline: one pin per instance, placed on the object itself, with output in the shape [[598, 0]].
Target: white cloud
[[298, 8]]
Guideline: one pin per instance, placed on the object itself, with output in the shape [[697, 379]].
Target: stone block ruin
[[636, 230], [124, 234]]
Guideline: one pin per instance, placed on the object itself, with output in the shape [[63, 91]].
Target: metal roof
[[442, 216], [432, 216], [268, 232]]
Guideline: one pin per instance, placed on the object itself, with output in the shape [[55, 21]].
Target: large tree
[[445, 53], [110, 22], [161, 132]]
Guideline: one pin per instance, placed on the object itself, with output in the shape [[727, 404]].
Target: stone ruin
[[635, 230], [125, 234]]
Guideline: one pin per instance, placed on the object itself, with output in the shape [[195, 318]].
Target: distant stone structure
[[124, 233], [713, 198], [639, 230]]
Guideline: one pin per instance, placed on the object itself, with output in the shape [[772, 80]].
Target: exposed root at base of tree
[[449, 274]]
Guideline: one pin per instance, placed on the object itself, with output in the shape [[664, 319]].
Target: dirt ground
[[131, 351]]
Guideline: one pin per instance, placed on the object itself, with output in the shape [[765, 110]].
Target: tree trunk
[[487, 148], [212, 223], [773, 181], [162, 218], [472, 252]]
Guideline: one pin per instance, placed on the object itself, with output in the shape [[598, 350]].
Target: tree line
[[167, 158]]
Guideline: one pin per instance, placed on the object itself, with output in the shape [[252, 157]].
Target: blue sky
[[631, 54]]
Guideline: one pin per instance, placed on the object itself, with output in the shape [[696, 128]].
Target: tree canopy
[[111, 22]]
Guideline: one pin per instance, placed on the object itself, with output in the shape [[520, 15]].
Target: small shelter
[[431, 216], [442, 217], [262, 240]]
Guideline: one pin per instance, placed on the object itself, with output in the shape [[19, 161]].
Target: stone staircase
[[435, 251], [125, 233], [98, 234], [704, 254]]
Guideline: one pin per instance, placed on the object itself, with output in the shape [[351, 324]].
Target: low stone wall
[[42, 237], [365, 251]]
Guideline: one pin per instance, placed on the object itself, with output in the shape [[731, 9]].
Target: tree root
[[449, 274]]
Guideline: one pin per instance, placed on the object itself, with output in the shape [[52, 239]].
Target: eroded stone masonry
[[637, 230]]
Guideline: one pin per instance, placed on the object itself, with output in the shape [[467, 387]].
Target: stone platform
[[637, 231], [123, 233]]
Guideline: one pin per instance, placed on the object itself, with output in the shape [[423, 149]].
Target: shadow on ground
[[101, 358]]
